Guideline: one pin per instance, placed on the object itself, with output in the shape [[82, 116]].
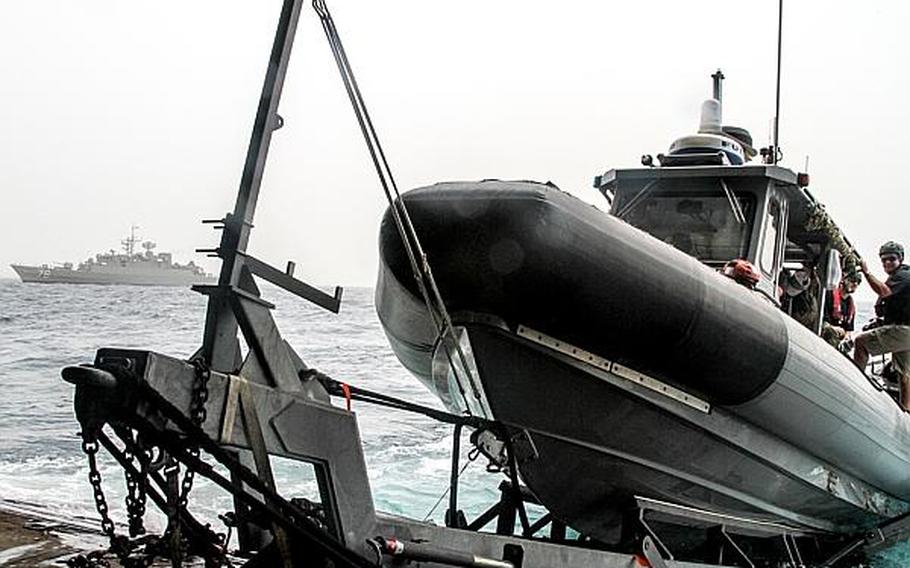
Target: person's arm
[[877, 285]]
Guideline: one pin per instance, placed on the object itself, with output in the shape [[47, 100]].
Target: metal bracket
[[655, 560], [734, 204], [292, 285], [731, 542], [632, 203], [647, 544], [252, 429], [792, 549]]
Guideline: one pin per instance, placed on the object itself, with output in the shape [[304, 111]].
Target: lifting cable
[[420, 265], [448, 489], [349, 392], [338, 388]]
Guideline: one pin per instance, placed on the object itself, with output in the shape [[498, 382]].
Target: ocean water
[[44, 327]]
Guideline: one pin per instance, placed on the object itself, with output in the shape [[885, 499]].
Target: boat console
[[706, 200]]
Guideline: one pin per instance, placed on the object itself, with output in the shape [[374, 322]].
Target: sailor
[[893, 307], [840, 309], [798, 297]]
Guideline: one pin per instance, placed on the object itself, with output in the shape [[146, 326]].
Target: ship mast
[[129, 243]]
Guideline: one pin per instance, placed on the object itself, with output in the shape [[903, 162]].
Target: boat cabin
[[721, 212], [707, 200]]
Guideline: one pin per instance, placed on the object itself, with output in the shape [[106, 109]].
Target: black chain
[[284, 512], [197, 415], [90, 447], [119, 545], [136, 485], [172, 536]]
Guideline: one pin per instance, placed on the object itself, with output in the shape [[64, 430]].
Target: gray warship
[[146, 268]]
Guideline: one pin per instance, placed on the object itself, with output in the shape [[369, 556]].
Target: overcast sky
[[116, 113]]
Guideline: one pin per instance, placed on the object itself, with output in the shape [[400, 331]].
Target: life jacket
[[837, 307]]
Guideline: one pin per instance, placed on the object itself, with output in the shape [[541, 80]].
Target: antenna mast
[[129, 243], [718, 77], [780, 27]]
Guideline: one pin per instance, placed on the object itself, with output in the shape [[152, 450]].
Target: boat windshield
[[703, 226]]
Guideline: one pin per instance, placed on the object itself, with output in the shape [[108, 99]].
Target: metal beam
[[292, 285], [221, 325]]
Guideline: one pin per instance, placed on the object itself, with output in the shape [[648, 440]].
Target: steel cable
[[419, 262]]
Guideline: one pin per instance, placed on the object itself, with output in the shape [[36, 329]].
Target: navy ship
[[655, 352], [146, 268]]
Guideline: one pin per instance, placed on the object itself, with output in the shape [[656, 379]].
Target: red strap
[[347, 394], [835, 308]]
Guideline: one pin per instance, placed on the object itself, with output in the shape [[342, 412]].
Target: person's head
[[891, 255], [795, 282], [850, 282]]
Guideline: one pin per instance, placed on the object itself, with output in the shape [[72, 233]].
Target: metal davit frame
[[220, 348]]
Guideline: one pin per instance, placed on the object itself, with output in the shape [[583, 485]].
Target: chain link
[[120, 546], [136, 485], [90, 447], [197, 415]]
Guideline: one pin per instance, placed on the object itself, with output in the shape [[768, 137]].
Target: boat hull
[[57, 275], [777, 425], [612, 441]]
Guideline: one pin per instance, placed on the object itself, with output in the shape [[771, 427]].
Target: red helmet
[[742, 271]]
